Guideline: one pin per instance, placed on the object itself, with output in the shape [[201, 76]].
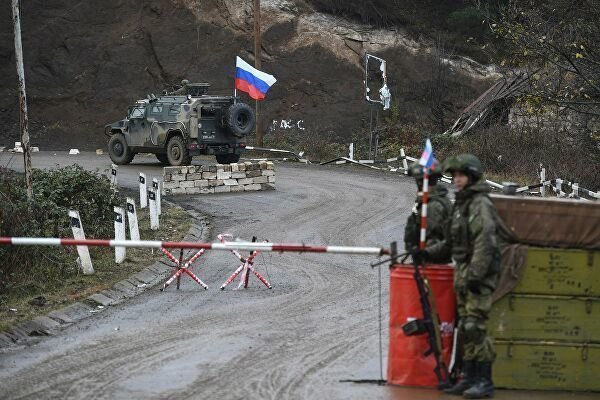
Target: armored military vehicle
[[178, 125]]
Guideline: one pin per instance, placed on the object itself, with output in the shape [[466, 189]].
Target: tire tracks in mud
[[323, 285]]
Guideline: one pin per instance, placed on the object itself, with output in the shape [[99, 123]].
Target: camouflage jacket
[[438, 216], [473, 240]]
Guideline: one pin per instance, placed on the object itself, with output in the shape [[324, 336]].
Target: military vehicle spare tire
[[118, 150], [240, 119], [177, 153]]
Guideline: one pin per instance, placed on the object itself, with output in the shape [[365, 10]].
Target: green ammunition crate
[[547, 366], [560, 272], [538, 317]]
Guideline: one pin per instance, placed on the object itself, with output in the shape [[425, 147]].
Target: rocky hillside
[[86, 61]]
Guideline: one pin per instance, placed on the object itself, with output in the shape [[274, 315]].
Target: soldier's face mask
[[460, 180]]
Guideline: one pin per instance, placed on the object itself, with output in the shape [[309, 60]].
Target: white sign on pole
[[119, 234], [143, 191], [156, 187], [134, 230], [113, 175], [351, 151], [153, 210], [78, 233]]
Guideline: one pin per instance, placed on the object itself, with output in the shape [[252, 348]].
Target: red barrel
[[406, 362]]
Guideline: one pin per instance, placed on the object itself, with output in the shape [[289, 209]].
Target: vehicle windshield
[[136, 111]]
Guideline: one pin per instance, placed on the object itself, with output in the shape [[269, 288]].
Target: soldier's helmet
[[466, 163], [417, 171], [185, 82]]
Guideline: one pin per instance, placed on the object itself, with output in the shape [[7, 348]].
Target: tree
[[437, 86], [556, 43]]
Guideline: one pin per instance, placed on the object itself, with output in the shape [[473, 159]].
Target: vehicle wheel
[[177, 153], [240, 119], [162, 157], [118, 150]]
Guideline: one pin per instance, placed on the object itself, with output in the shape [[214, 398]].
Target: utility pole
[[24, 122], [257, 52]]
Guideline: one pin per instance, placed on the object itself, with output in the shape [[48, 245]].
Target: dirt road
[[316, 328]]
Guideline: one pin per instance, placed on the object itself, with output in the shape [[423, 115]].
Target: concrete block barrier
[[220, 178]]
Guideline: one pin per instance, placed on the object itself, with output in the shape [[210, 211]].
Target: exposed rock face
[[85, 62]]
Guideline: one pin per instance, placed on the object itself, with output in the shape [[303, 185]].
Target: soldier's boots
[[466, 382], [483, 387]]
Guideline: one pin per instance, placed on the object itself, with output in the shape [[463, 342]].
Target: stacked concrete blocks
[[220, 178]]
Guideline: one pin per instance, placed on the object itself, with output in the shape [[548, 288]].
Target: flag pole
[[257, 51], [423, 235], [234, 85]]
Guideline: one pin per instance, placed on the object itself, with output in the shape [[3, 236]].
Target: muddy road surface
[[307, 338]]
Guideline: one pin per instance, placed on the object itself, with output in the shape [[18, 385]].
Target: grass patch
[[55, 294]]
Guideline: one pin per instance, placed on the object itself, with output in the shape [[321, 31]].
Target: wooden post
[[24, 120], [257, 52]]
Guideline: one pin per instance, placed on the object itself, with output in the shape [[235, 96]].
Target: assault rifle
[[430, 323]]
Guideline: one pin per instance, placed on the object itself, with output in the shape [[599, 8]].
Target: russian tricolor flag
[[252, 81], [427, 158]]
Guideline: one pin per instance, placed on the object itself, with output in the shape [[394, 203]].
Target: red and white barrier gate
[[227, 246], [244, 268]]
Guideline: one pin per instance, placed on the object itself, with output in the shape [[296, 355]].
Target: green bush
[[54, 193]]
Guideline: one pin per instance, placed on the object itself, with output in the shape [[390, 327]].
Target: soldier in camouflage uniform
[[438, 212], [473, 243]]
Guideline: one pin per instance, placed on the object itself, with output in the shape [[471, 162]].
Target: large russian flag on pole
[[252, 81]]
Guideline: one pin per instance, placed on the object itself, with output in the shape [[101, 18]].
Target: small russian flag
[[427, 158], [252, 81]]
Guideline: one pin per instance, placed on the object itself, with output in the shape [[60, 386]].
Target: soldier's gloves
[[418, 255], [474, 287]]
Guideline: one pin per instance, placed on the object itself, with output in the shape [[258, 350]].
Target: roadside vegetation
[[35, 280]]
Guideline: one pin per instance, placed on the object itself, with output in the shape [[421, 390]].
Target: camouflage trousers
[[473, 313]]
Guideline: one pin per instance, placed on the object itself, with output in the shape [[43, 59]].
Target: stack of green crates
[[547, 330]]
